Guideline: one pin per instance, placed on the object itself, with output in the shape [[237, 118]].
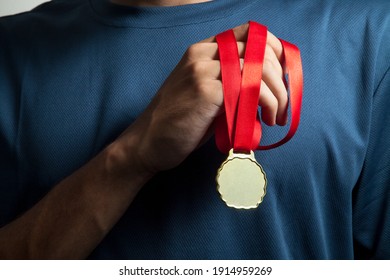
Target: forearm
[[72, 219]]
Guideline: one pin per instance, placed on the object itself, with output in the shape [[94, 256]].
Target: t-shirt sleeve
[[371, 221], [10, 77]]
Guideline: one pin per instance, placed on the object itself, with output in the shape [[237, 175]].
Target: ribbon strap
[[240, 127]]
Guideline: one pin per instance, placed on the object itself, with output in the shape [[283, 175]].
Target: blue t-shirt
[[75, 73]]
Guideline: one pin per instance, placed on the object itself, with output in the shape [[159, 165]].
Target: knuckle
[[202, 88], [193, 51], [274, 43], [268, 63], [270, 58], [197, 68], [210, 91], [268, 49], [278, 46]]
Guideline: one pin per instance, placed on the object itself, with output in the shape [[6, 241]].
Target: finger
[[241, 34], [276, 86], [209, 51], [269, 105], [271, 61], [205, 69], [208, 69], [276, 45], [273, 78]]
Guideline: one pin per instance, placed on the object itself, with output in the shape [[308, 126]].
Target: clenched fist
[[183, 111]]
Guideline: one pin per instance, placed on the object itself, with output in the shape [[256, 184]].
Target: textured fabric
[[75, 73]]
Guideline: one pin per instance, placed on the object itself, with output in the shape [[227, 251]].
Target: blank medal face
[[241, 181]]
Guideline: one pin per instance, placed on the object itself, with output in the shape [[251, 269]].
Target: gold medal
[[241, 181]]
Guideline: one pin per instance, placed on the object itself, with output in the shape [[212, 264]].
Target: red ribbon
[[240, 127]]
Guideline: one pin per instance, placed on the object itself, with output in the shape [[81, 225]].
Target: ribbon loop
[[250, 89], [240, 127], [293, 66]]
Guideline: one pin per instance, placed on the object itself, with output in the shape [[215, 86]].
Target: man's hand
[[186, 105]]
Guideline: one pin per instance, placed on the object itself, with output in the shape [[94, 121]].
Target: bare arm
[[70, 221]]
